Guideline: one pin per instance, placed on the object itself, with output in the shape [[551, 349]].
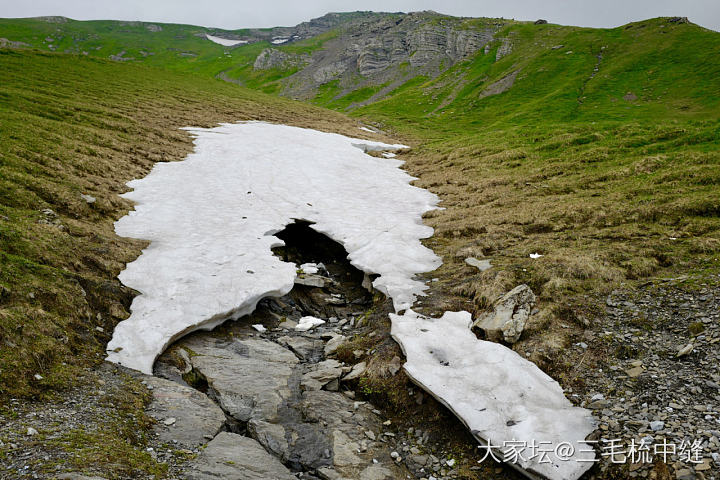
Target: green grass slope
[[643, 71], [596, 147], [182, 48], [603, 156], [72, 125]]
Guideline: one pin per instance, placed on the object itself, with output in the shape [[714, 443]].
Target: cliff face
[[378, 50]]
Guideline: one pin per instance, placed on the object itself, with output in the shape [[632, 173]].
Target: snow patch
[[225, 41], [307, 323], [311, 268], [211, 219], [499, 395]]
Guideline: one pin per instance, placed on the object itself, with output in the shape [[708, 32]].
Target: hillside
[[60, 256], [596, 149]]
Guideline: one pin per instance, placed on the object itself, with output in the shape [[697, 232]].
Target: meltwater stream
[[211, 221]]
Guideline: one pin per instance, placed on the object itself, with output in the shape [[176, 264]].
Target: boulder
[[183, 414], [321, 374], [334, 343], [481, 265], [541, 22], [376, 472], [249, 377], [233, 457], [356, 372], [510, 313]]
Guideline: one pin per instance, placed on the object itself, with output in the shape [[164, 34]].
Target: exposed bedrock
[[233, 457], [272, 58], [385, 49], [280, 389], [185, 417]]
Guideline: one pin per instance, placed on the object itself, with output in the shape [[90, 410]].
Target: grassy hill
[[73, 126], [597, 148], [181, 48], [602, 155]]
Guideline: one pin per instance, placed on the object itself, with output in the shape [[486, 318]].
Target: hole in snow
[[323, 260]]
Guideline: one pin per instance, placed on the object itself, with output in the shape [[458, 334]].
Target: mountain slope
[[74, 126], [594, 147]]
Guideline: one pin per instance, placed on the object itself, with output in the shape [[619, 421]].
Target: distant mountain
[[419, 64]]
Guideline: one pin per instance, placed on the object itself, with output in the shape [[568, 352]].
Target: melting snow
[[225, 41], [499, 395], [306, 323], [310, 268], [211, 220]]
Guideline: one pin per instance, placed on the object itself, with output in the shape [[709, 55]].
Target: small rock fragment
[[88, 198], [685, 350], [356, 372]]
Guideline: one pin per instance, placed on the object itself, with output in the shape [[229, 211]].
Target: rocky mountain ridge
[[380, 51]]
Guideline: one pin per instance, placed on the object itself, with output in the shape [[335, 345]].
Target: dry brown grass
[[600, 206], [60, 299]]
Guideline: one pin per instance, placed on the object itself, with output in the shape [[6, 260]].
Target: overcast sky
[[233, 14]]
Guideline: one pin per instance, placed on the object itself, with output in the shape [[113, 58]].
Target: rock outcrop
[[510, 313], [272, 58], [249, 377], [381, 49], [504, 49], [501, 86], [185, 417]]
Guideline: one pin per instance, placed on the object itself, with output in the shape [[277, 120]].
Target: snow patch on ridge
[[210, 221], [225, 41]]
